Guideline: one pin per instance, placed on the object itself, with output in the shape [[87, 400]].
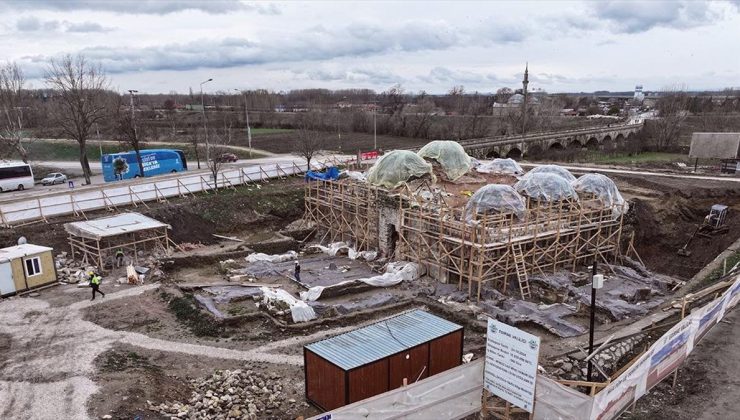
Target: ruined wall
[[389, 223]]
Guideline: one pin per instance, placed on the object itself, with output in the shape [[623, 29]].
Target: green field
[[644, 157], [69, 151], [261, 131]]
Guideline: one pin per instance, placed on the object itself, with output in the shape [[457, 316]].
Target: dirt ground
[[707, 388]]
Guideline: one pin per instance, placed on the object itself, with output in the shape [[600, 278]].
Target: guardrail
[[111, 196]]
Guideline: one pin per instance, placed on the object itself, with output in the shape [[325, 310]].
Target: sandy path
[[47, 355]]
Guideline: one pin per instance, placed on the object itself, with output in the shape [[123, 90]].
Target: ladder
[[521, 271]]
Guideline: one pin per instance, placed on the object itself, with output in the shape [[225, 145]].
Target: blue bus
[[118, 166]]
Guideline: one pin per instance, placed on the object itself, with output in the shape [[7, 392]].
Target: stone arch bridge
[[599, 138]]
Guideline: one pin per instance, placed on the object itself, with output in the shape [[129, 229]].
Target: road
[[641, 173], [97, 179]]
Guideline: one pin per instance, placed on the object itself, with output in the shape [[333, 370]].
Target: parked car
[[227, 157], [54, 178]]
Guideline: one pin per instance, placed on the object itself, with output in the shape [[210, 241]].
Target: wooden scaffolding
[[471, 249]]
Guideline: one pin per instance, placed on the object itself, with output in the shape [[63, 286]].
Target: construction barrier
[[452, 394], [458, 392], [113, 195]]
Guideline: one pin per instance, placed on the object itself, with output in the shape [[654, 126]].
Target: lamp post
[[246, 115], [375, 127], [597, 282], [131, 99], [205, 124]]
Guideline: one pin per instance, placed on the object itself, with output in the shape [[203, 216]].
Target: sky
[[576, 46]]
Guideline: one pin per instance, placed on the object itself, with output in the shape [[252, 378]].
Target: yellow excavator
[[713, 224]]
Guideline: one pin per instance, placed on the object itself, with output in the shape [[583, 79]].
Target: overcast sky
[[162, 46]]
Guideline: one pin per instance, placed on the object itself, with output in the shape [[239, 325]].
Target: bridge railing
[[504, 140], [111, 196]]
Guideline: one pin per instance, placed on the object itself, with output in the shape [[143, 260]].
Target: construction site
[[350, 287]]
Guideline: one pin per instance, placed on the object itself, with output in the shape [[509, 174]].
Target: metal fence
[[111, 196]]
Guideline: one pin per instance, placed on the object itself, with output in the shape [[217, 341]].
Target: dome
[[397, 167], [450, 155], [552, 169], [545, 187]]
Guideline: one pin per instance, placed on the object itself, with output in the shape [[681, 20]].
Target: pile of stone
[[610, 359], [230, 394], [70, 271]]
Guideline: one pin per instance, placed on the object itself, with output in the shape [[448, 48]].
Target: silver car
[[54, 178]]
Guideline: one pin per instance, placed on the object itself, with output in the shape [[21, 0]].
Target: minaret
[[525, 82]]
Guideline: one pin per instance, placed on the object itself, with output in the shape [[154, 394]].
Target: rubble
[[227, 394]]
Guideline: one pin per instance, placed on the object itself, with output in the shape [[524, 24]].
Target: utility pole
[[205, 124], [246, 116], [375, 127]]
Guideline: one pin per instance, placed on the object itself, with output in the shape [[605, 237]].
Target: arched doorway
[[514, 153]]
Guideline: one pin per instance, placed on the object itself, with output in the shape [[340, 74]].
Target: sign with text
[[370, 155], [511, 364]]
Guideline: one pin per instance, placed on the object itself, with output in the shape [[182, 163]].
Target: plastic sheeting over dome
[[603, 188], [496, 198], [501, 166], [545, 187], [450, 155], [397, 167], [552, 169]]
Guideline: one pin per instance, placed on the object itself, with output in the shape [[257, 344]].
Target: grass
[[262, 131], [644, 157], [716, 274], [69, 151]]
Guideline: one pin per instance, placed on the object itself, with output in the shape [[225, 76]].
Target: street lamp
[[246, 115], [375, 127], [205, 124], [131, 98], [597, 282]]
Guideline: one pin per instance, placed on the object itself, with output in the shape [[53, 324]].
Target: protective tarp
[[450, 155], [496, 198], [501, 166], [299, 310], [357, 176], [556, 401], [258, 256], [604, 189], [341, 248], [329, 174], [395, 273], [397, 167], [452, 394], [545, 187], [552, 169]]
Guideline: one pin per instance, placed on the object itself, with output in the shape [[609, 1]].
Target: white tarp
[[258, 256], [300, 311], [604, 189], [500, 166], [334, 248], [395, 273]]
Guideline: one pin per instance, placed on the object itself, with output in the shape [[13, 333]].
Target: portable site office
[[380, 357], [24, 267], [98, 239]]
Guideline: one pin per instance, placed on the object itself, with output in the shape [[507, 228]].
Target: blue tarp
[[330, 174]]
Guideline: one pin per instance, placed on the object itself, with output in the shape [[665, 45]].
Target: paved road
[[66, 166], [643, 173]]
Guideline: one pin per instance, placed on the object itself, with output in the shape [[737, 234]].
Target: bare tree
[[130, 135], [12, 121], [79, 88], [219, 144], [310, 139], [672, 107]]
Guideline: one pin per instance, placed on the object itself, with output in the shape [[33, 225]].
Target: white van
[[15, 176]]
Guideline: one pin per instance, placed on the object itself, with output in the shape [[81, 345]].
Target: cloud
[[373, 76], [314, 44], [33, 24], [154, 7], [632, 17], [85, 27]]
